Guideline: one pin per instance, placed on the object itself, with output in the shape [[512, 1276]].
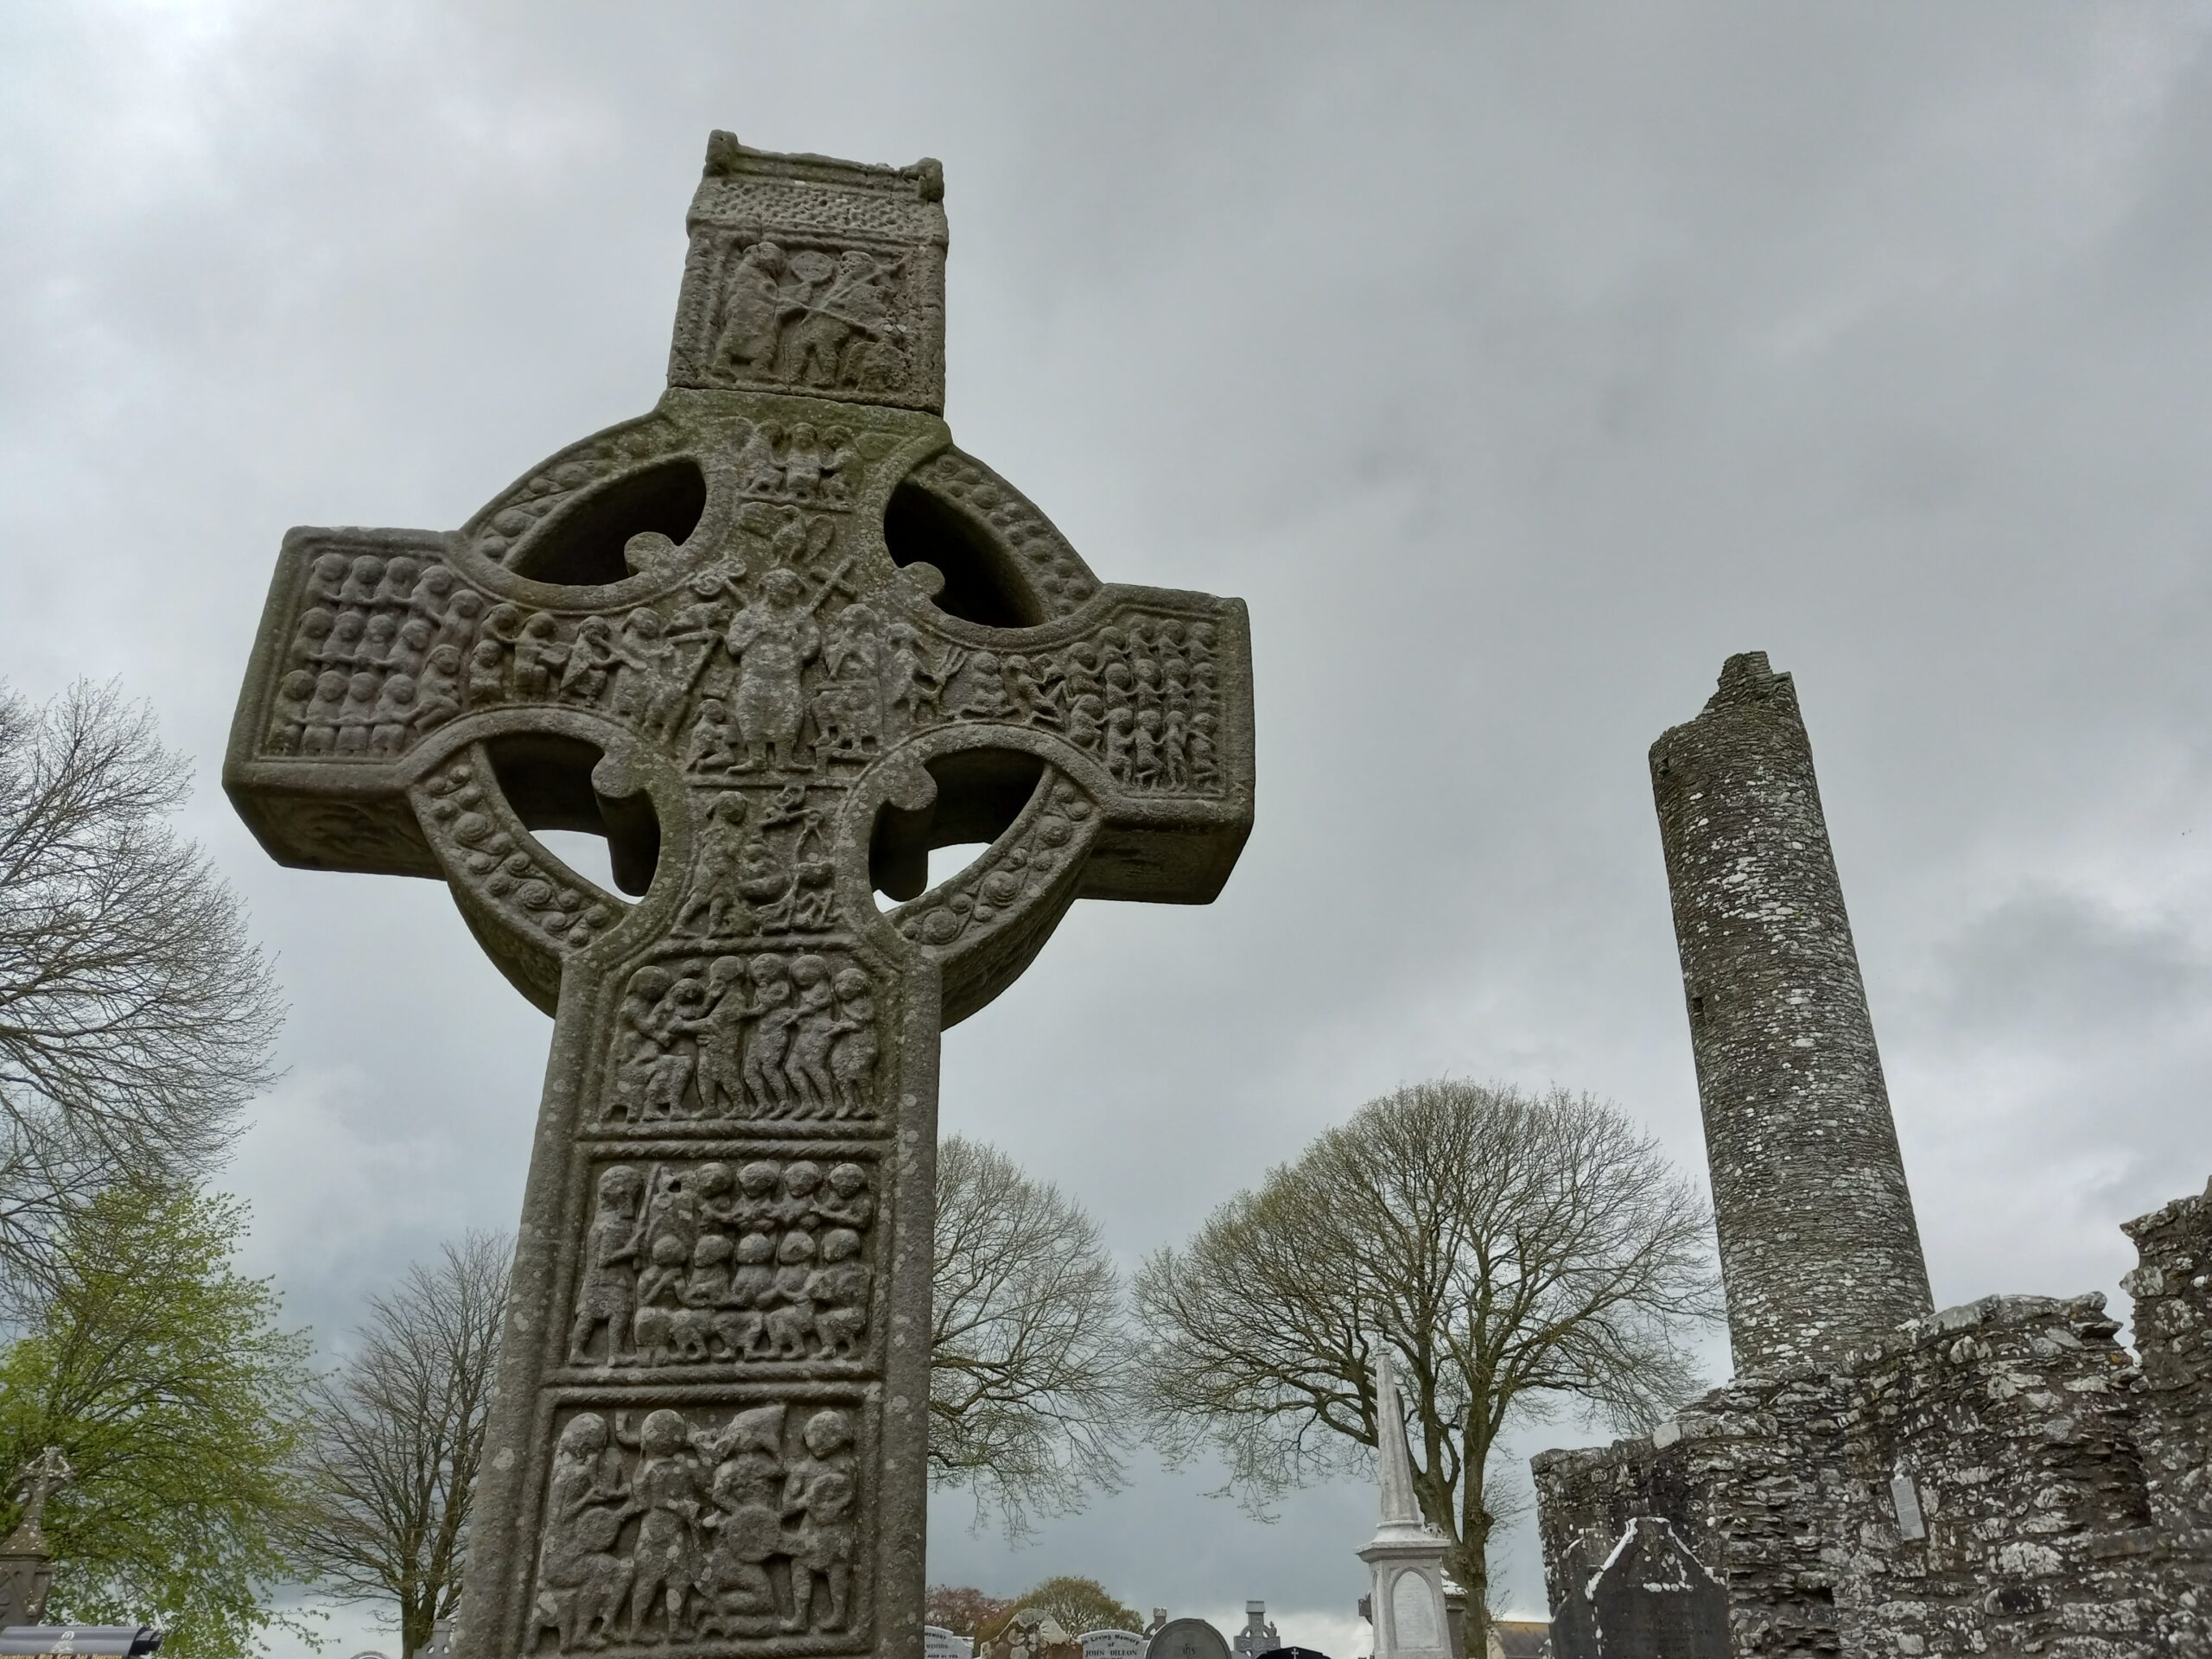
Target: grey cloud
[[2067, 966], [1516, 366]]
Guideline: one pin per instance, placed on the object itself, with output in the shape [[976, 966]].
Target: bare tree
[[1519, 1256], [136, 1016], [1028, 1348], [398, 1438]]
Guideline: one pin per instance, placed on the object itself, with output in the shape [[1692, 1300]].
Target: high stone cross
[[776, 641]]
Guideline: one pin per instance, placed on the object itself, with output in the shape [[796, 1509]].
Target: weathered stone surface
[[1649, 1598], [26, 1563], [1819, 1248], [2172, 1288], [1186, 1638], [2030, 1446], [1258, 1635], [1998, 1478], [777, 639]]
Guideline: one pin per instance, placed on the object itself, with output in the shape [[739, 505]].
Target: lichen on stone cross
[[777, 640]]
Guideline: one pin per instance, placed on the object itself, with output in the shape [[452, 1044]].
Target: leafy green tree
[[1076, 1604], [164, 1377]]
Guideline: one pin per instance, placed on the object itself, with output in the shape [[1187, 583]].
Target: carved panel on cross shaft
[[789, 1037], [699, 1525], [726, 1261], [826, 314]]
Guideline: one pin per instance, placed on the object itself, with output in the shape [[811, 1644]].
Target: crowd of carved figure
[[773, 1035], [814, 318], [802, 462], [385, 650], [376, 657], [675, 1529], [694, 1264], [1142, 695]]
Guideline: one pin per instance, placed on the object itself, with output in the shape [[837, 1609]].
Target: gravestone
[[1032, 1633], [26, 1563], [1112, 1645], [1186, 1638], [937, 1643], [777, 640], [1405, 1601], [1650, 1598], [1258, 1635]]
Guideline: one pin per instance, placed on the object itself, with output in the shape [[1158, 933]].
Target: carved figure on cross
[[776, 641]]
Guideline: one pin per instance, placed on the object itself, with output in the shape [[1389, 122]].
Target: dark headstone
[[1650, 1598], [1186, 1638]]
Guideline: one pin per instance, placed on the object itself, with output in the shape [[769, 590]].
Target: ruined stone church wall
[[1747, 1476], [2172, 1288], [2003, 1477]]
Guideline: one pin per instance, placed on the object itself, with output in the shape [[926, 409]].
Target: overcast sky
[[1515, 364]]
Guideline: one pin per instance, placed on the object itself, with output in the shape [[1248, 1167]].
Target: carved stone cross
[[776, 641], [40, 1477]]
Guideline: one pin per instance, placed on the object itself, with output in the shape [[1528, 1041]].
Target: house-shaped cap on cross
[[777, 640]]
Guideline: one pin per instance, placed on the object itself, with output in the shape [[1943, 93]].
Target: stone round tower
[[1819, 1249]]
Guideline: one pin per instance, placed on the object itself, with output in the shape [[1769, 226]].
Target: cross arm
[[305, 766]]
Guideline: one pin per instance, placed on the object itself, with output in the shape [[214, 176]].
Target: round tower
[[1819, 1249]]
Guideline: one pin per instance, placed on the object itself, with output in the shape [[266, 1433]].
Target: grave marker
[[1186, 1638], [1650, 1598], [776, 640]]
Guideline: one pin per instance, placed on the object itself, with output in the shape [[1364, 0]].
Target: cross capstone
[[776, 641]]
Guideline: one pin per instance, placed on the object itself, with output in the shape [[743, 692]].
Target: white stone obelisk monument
[[1405, 1561]]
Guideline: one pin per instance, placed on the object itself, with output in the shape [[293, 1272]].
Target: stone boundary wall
[[2000, 1477]]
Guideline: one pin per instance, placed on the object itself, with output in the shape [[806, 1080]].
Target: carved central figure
[[776, 641]]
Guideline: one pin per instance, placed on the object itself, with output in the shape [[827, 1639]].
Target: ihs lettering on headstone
[[776, 641]]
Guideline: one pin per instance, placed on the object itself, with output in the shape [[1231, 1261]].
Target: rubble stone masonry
[[2003, 1478]]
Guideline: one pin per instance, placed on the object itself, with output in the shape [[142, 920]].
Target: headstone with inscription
[[1186, 1638], [937, 1643], [776, 640], [1112, 1645], [1650, 1598]]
